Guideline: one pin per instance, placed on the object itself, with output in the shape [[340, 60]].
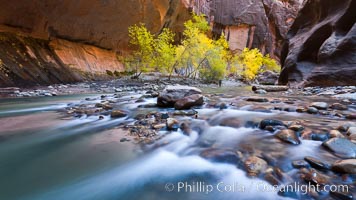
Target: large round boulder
[[171, 94]]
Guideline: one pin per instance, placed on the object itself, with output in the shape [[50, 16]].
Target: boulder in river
[[172, 124], [255, 165], [320, 105], [118, 114], [342, 147], [345, 166], [270, 122], [189, 101], [316, 163], [288, 136], [338, 106], [220, 155], [171, 94]]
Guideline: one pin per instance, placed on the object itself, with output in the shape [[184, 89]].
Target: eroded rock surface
[[321, 46]]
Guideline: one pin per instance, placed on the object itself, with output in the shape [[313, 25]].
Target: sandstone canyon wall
[[261, 24], [321, 45], [44, 42]]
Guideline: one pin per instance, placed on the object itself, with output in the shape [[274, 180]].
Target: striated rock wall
[[26, 61], [66, 41], [321, 45], [259, 24]]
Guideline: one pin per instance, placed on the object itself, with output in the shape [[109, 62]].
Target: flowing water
[[46, 155]]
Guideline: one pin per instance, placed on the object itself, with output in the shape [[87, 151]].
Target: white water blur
[[166, 165]]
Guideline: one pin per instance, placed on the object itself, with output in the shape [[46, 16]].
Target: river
[[44, 154]]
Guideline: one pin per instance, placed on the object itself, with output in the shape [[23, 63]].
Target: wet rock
[[320, 136], [346, 126], [296, 127], [314, 177], [172, 124], [345, 166], [288, 136], [342, 147], [222, 106], [312, 110], [270, 122], [185, 127], [118, 114], [260, 91], [255, 165], [338, 106], [351, 96], [232, 122], [342, 195], [351, 131], [124, 140], [336, 134], [171, 94], [159, 126], [320, 105], [351, 116], [101, 117], [300, 164], [189, 101], [256, 99], [316, 163], [267, 78], [164, 116], [221, 155], [272, 179], [149, 105], [300, 109]]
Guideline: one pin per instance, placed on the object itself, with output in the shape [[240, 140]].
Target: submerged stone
[[288, 136], [342, 147]]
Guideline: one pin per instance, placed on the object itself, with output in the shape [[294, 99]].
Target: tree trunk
[[270, 88]]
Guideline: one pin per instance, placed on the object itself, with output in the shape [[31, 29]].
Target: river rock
[[342, 147], [256, 99], [351, 116], [220, 155], [255, 165], [300, 164], [345, 166], [315, 177], [296, 127], [118, 114], [260, 91], [320, 136], [312, 110], [316, 163], [346, 126], [320, 105], [171, 94], [336, 134], [338, 106], [288, 136], [267, 78], [172, 124], [270, 122], [189, 101], [351, 131]]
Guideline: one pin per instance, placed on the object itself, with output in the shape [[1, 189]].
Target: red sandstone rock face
[[259, 24], [321, 48], [45, 42], [100, 23]]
